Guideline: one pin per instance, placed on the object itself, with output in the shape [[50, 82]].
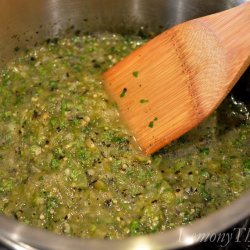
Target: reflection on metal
[[15, 244], [241, 108], [142, 245], [135, 11], [55, 16]]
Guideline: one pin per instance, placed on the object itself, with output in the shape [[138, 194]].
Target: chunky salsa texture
[[67, 163]]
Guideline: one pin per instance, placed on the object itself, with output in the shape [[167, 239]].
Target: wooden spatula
[[171, 84]]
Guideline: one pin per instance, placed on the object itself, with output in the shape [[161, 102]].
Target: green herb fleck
[[205, 174], [52, 202], [144, 101], [204, 151], [123, 93], [54, 164], [151, 124], [136, 73], [119, 140], [6, 185], [246, 167], [134, 228]]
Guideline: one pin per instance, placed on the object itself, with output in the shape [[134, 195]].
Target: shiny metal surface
[[24, 24]]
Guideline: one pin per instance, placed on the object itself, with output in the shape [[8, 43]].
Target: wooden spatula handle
[[234, 36]]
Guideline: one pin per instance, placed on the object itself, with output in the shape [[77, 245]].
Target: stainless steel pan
[[26, 23]]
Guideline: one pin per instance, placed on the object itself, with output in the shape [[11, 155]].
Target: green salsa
[[67, 163]]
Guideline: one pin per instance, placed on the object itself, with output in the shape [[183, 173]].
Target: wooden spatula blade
[[160, 96], [171, 84]]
